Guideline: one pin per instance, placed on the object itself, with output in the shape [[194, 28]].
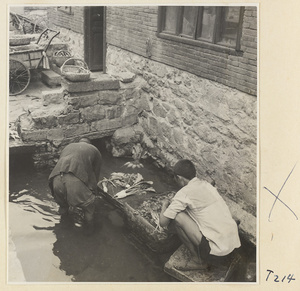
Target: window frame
[[198, 41]]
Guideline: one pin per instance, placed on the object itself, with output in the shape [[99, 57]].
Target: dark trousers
[[69, 191]]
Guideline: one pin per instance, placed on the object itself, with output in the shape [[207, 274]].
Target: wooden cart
[[26, 25], [22, 58]]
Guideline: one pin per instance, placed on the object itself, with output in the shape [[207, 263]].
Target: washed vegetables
[[151, 208], [141, 187], [133, 184], [137, 154], [124, 180]]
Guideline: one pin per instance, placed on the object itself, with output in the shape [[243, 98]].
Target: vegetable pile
[[133, 184], [151, 208]]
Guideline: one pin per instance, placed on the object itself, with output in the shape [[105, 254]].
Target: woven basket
[[77, 72], [59, 57], [19, 40]]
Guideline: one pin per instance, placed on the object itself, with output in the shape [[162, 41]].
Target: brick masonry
[[133, 28], [71, 27]]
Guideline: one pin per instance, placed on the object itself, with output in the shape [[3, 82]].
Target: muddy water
[[54, 251]]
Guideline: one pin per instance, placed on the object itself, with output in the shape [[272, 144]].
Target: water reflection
[[55, 251]]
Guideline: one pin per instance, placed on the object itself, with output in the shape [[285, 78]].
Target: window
[[66, 9], [219, 25]]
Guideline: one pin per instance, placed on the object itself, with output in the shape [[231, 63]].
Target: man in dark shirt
[[73, 181]]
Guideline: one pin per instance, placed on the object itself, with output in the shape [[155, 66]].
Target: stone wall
[[93, 109], [186, 116]]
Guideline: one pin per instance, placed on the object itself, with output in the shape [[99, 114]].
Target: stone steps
[[50, 78]]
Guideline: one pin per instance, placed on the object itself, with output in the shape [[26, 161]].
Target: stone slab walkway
[[220, 273]]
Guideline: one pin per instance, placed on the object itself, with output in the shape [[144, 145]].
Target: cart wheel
[[19, 77]]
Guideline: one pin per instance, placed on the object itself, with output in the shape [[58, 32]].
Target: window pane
[[208, 23], [229, 25], [189, 20], [170, 19]]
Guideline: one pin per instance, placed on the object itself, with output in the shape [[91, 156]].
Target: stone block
[[55, 134], [53, 97], [74, 101], [71, 118], [125, 77], [158, 109], [109, 97], [89, 100], [114, 112], [77, 130], [132, 108], [102, 82], [125, 135], [55, 69], [105, 124], [36, 135], [129, 120], [92, 113], [216, 273], [42, 121], [50, 78]]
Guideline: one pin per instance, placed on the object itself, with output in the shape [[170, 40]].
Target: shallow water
[[54, 251]]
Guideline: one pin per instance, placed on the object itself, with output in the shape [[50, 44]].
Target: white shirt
[[208, 209]]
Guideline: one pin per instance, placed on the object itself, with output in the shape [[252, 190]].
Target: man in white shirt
[[202, 219]]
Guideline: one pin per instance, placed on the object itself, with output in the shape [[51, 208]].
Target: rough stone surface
[[92, 113], [77, 130], [83, 100], [125, 77], [123, 140], [71, 118], [53, 97], [109, 97], [102, 82], [37, 135], [217, 273], [191, 117], [55, 134]]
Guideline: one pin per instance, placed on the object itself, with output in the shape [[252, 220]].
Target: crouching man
[[201, 218], [73, 181]]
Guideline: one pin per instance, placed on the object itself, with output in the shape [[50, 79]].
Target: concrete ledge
[[19, 147], [97, 83]]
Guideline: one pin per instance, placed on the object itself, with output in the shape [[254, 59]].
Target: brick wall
[[73, 21], [132, 28], [71, 28]]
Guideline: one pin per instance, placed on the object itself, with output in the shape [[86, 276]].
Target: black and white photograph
[[153, 111]]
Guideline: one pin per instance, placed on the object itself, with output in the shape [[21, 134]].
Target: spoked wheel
[[19, 77]]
